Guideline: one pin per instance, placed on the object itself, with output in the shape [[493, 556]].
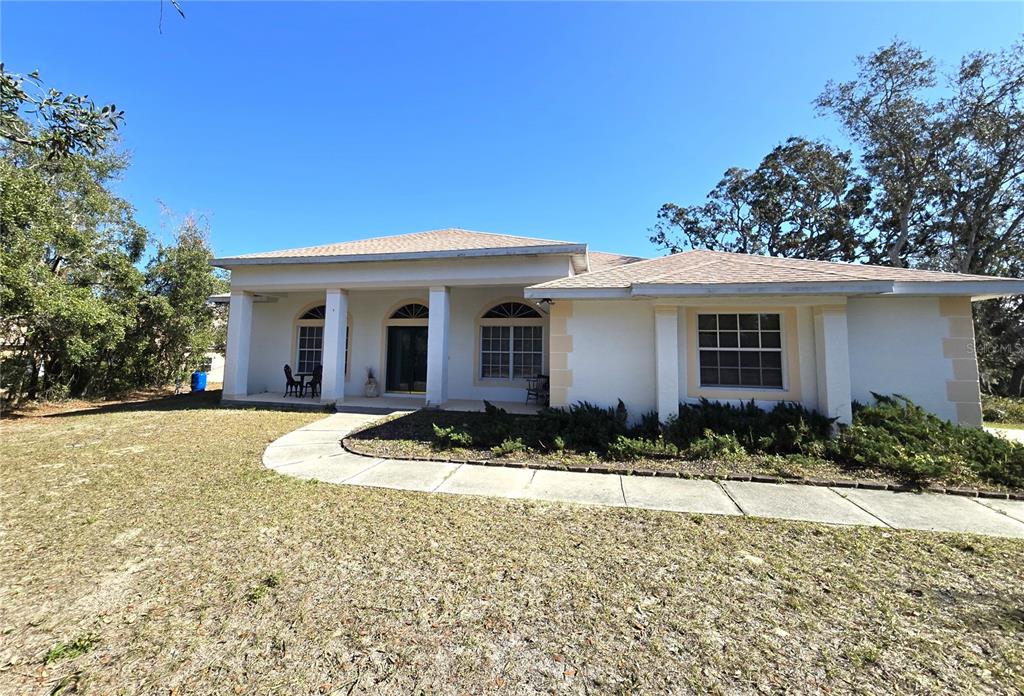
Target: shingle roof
[[701, 268], [432, 241], [601, 260]]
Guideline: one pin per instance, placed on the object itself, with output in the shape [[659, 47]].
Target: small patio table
[[301, 376]]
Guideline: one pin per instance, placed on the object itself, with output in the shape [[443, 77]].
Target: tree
[[78, 313], [804, 201], [63, 124], [177, 318], [938, 184]]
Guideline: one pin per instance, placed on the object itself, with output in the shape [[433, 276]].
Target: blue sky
[[299, 124]]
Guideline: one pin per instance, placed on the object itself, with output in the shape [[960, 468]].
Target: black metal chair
[[293, 386], [538, 389], [315, 380]]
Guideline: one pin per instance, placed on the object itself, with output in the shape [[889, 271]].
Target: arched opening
[[511, 342], [405, 357], [309, 340]]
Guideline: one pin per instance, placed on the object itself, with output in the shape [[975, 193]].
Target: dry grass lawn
[[145, 550]]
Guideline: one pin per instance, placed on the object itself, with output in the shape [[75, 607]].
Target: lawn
[[1003, 411], [146, 550]]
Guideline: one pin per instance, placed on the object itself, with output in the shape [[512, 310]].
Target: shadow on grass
[[192, 401]]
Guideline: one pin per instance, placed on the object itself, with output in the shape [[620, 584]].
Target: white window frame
[[297, 338], [759, 349], [537, 322]]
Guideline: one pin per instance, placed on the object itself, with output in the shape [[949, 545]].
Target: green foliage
[[77, 315], [66, 651], [787, 429], [804, 200], [894, 434], [632, 448], [717, 446], [447, 437], [585, 427], [65, 123], [1002, 409], [508, 446]]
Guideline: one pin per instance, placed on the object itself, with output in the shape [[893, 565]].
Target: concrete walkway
[[314, 452]]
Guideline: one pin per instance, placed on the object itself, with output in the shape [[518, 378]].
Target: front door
[[407, 359]]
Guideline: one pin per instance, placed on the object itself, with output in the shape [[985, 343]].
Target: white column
[[236, 362], [437, 347], [666, 361], [832, 353], [335, 334]]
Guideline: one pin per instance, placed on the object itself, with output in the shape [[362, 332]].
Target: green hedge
[[893, 434]]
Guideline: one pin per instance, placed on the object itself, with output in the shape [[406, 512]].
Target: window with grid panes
[[511, 342], [740, 350]]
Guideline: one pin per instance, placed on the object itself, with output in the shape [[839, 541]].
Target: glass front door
[[407, 359]]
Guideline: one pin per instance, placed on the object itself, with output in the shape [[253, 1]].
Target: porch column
[[666, 361], [437, 347], [236, 363], [335, 335], [832, 354]]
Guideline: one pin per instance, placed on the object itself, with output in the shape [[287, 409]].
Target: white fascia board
[[976, 289], [573, 249], [541, 293], [867, 287]]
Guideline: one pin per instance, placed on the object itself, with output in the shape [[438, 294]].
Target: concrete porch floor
[[362, 404]]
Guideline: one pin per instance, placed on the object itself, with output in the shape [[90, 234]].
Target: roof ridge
[[700, 263], [825, 266]]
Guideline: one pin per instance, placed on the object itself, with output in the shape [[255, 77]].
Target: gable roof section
[[701, 272], [602, 260], [433, 244]]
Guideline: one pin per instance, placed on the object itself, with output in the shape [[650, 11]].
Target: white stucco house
[[459, 315]]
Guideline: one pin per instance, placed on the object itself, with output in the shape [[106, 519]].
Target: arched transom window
[[413, 310], [315, 313], [511, 342]]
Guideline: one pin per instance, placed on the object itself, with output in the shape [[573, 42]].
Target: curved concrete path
[[315, 452]]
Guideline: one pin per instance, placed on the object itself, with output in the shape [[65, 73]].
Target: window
[[512, 310], [315, 313], [411, 311], [311, 347], [511, 342], [740, 350]]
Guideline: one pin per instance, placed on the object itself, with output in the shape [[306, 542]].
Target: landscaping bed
[[892, 444], [1003, 411]]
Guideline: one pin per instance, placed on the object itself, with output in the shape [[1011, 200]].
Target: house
[[456, 314]]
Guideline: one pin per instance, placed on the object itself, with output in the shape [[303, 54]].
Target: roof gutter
[[977, 289], [576, 250]]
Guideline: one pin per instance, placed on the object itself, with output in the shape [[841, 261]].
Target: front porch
[[437, 346], [380, 404]]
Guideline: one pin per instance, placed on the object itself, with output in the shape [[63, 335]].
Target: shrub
[[446, 437], [631, 448], [897, 435], [1002, 409], [508, 446], [787, 429], [585, 427], [711, 445]]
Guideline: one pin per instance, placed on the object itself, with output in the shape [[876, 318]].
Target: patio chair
[[538, 389], [315, 380], [292, 385]]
